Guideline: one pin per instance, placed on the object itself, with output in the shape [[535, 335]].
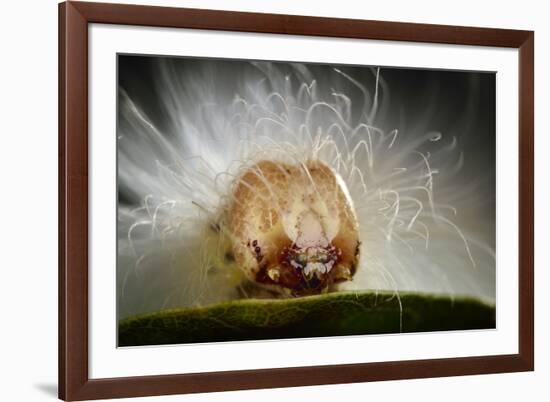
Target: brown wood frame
[[74, 17]]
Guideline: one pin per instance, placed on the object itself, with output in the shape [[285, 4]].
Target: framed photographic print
[[258, 200]]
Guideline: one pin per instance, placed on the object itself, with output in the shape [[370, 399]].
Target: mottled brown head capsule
[[293, 227]]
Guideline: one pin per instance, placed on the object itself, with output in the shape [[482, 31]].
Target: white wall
[[28, 198]]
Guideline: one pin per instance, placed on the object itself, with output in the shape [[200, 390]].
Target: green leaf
[[332, 314]]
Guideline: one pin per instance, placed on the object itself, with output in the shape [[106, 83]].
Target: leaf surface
[[332, 314]]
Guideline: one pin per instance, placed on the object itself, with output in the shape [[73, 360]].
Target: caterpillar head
[[293, 227]]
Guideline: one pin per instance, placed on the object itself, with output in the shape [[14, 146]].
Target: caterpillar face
[[293, 227]]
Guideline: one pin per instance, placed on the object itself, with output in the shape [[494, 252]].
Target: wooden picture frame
[[74, 381]]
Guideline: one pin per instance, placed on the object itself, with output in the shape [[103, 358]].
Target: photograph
[[261, 199], [275, 200]]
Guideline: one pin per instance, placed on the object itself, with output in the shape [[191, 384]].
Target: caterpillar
[[278, 183]]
